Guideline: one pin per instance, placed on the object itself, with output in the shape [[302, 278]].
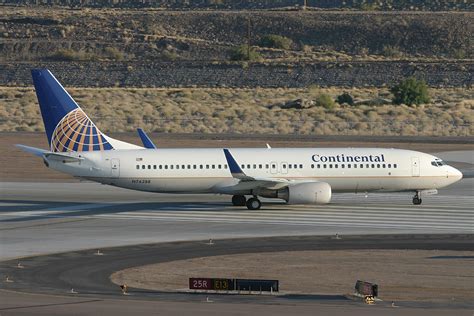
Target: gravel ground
[[401, 274]]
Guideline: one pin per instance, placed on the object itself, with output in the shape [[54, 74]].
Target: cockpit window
[[438, 163]]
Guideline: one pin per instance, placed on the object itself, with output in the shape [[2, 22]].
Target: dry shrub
[[246, 111]]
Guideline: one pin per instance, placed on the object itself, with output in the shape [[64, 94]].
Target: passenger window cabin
[[274, 166]]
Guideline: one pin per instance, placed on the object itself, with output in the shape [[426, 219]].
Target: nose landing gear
[[417, 199]]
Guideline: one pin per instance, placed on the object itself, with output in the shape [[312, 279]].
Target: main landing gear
[[239, 200], [252, 203], [417, 199]]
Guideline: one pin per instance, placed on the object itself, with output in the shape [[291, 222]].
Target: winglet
[[147, 142], [234, 166]]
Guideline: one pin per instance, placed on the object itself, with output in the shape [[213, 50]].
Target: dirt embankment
[[187, 48], [145, 33], [257, 4], [234, 75]]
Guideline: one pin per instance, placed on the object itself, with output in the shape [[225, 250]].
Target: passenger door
[[115, 167], [415, 166]]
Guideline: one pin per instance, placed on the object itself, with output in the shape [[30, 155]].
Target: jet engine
[[301, 193]]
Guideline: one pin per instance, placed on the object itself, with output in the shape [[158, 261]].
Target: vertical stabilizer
[[68, 128]]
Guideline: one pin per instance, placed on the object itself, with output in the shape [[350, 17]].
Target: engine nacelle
[[302, 193]]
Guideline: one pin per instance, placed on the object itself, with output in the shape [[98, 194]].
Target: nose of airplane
[[455, 174]]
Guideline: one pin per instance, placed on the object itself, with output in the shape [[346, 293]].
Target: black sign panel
[[223, 284], [217, 284], [256, 285]]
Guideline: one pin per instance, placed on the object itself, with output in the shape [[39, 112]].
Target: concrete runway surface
[[40, 218]]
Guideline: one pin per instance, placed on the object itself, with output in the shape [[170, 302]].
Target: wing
[[246, 182]]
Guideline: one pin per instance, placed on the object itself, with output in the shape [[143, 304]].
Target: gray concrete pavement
[[37, 218]]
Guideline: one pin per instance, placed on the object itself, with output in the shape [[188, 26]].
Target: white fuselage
[[205, 170]]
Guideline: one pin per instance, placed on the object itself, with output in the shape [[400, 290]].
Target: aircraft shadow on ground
[[49, 210], [108, 208]]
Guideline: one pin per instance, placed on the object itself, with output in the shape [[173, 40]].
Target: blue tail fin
[[68, 128]]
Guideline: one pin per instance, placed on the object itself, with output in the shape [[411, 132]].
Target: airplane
[[294, 175]]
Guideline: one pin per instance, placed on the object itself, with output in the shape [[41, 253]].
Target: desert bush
[[236, 110], [168, 56], [276, 41], [325, 101], [243, 52], [72, 55], [369, 6], [391, 51], [345, 98], [459, 54], [410, 91], [113, 53]]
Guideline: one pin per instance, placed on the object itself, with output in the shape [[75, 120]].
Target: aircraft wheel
[[416, 201], [254, 204], [239, 200]]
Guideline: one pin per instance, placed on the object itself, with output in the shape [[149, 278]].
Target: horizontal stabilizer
[[32, 150], [64, 157], [61, 157]]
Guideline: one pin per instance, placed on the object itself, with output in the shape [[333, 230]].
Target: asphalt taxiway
[[86, 275]]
